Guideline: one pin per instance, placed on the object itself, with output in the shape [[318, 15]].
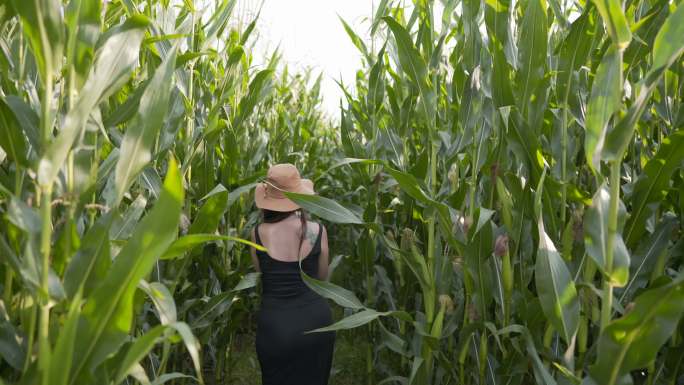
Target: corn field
[[503, 187]]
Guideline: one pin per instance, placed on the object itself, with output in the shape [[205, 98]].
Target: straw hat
[[281, 178]]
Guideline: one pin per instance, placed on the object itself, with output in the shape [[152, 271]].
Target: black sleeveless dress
[[289, 308]]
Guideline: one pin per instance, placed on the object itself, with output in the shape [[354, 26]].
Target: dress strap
[[318, 238], [257, 238]]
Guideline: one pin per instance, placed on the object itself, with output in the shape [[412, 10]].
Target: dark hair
[[271, 216]]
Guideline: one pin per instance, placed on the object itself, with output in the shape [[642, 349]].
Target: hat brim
[[281, 204]]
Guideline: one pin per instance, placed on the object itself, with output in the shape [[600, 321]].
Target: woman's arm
[[324, 259], [252, 252]]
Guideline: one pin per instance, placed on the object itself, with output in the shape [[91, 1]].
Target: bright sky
[[309, 33]]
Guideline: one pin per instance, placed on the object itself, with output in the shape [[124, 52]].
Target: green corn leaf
[[27, 119], [414, 65], [126, 110], [410, 185], [43, 24], [236, 55], [122, 227], [501, 79], [23, 216], [525, 144], [498, 22], [12, 139], [351, 147], [653, 184], [556, 289], [164, 378], [532, 52], [667, 47], [114, 61], [357, 319], [162, 299], [538, 196], [65, 346], [151, 181], [555, 286], [575, 51], [668, 44], [82, 18], [218, 21], [325, 208], [356, 40], [217, 305], [633, 341], [478, 251], [139, 374], [648, 251], [347, 161], [107, 314], [447, 14], [392, 341], [541, 372], [259, 87], [68, 241], [209, 215], [192, 345], [483, 216], [136, 148], [244, 37], [12, 349], [644, 30], [418, 371], [506, 204], [171, 37], [184, 58], [376, 83], [596, 237], [188, 242], [325, 289], [498, 85], [25, 268], [220, 303], [615, 21], [89, 265], [472, 46], [138, 350], [416, 262], [380, 11], [235, 194], [248, 281], [606, 94]]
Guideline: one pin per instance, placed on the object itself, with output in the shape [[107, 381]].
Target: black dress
[[289, 308]]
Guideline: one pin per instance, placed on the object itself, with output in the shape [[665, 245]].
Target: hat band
[[273, 191]]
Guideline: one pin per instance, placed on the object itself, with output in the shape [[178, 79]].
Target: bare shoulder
[[324, 241], [323, 232]]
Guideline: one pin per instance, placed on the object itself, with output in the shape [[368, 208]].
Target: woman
[[289, 308]]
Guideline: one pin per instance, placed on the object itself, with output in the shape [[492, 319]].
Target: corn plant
[[518, 167], [100, 102]]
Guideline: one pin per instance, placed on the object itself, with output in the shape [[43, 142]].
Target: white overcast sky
[[309, 33]]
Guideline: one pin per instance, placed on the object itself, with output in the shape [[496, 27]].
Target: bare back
[[282, 239]]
